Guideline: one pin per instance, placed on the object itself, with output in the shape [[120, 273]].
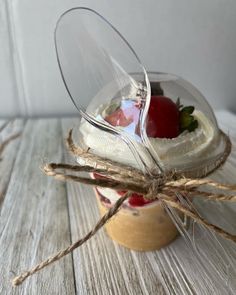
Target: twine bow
[[121, 177]]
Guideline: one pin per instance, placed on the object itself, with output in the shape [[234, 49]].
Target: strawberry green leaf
[[187, 121], [193, 126], [188, 110]]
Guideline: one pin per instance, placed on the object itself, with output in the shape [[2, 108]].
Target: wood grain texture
[[8, 154], [40, 215], [34, 218]]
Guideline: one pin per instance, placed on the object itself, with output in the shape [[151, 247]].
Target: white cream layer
[[110, 194], [187, 148]]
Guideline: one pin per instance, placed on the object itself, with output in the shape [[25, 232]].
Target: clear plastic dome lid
[[145, 120], [181, 128]]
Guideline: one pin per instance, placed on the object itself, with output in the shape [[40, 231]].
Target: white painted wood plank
[[227, 121], [34, 217], [8, 154]]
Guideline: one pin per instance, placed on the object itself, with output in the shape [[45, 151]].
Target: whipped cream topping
[[189, 148]]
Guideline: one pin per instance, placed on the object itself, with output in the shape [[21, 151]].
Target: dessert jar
[[195, 148], [174, 129]]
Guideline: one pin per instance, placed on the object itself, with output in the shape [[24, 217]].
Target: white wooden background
[[194, 39]]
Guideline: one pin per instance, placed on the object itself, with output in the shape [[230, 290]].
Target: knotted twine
[[122, 177]]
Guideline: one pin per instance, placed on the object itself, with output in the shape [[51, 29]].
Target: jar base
[[148, 228]]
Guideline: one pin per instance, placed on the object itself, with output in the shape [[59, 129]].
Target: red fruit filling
[[121, 193], [135, 200]]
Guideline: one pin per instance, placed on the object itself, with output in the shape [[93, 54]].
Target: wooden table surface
[[40, 215]]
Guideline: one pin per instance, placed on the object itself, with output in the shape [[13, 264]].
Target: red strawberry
[[163, 118]]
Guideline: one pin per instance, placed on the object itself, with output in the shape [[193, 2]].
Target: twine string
[[190, 183], [108, 183], [122, 177], [106, 217]]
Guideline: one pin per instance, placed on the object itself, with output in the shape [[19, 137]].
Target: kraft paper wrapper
[[143, 229]]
